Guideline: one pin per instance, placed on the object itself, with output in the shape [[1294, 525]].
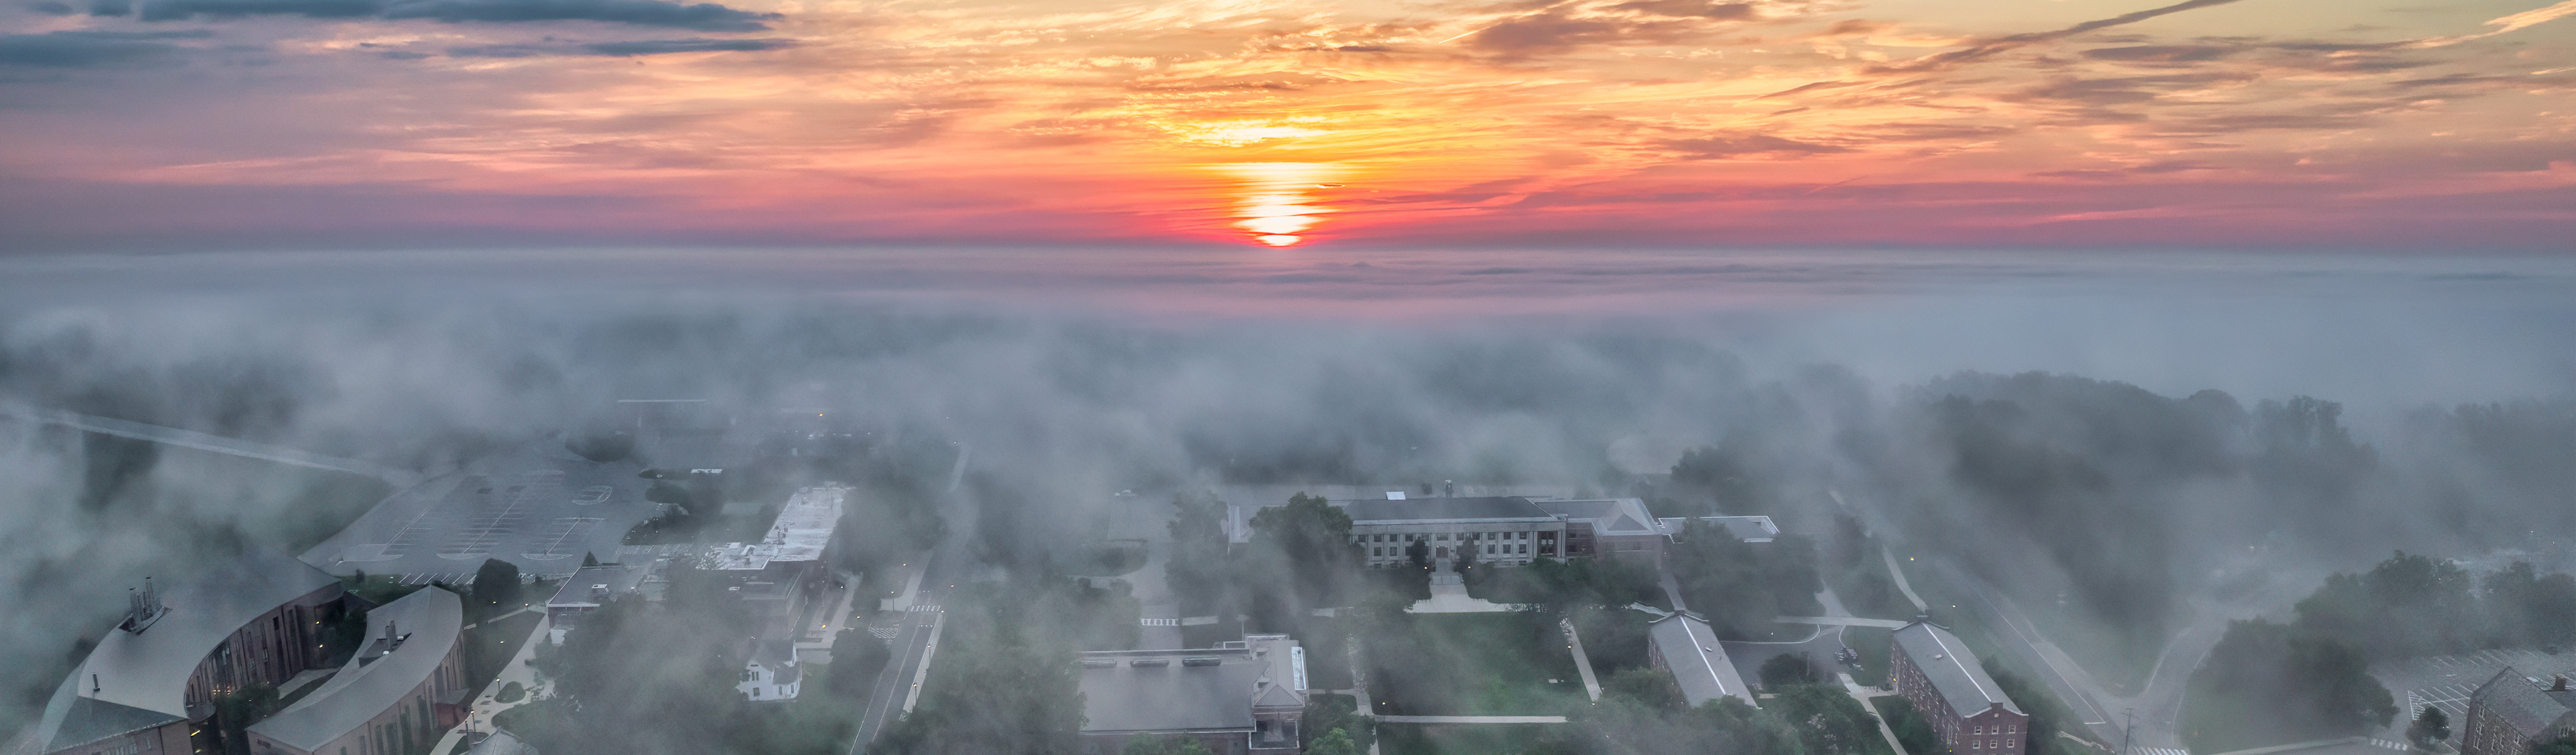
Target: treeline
[[636, 677], [1742, 587], [2267, 683]]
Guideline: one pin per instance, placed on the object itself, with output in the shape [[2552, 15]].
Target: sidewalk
[[517, 670]]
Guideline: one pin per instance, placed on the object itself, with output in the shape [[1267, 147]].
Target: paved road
[[399, 478], [911, 648], [1472, 719]]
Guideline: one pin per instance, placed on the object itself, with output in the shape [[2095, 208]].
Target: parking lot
[[537, 507], [2445, 682]]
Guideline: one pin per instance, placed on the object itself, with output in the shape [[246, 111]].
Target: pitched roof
[[429, 621], [1751, 529], [1609, 516], [1492, 508], [2522, 704], [90, 720], [150, 669], [1955, 674], [1699, 665]]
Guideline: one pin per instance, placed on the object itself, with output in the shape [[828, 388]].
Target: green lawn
[[1492, 664], [1871, 644], [490, 645], [1416, 739]]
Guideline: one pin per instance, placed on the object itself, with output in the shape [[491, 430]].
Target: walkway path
[[1899, 575], [1472, 719], [485, 706], [1845, 621], [1449, 595], [1582, 661]]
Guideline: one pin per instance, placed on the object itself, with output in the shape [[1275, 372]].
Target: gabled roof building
[[2510, 713], [1968, 711], [1682, 645]]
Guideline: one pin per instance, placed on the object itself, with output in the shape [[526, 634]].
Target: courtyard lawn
[[1473, 664], [1464, 739]]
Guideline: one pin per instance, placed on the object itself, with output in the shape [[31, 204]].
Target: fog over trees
[[2126, 505]]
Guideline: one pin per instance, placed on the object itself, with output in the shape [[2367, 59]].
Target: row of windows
[[2000, 729], [1441, 536], [1991, 744], [1490, 550]]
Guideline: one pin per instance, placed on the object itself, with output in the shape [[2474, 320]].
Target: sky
[[1566, 125]]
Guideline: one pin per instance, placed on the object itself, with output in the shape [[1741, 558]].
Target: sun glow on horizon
[[1271, 200]]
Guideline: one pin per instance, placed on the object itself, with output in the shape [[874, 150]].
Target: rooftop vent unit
[[1150, 662], [142, 608], [1099, 663], [1200, 660]]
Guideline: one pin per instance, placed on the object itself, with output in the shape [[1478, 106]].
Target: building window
[[1980, 729], [1525, 547]]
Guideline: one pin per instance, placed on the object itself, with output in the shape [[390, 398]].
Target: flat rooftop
[[802, 530], [1202, 690]]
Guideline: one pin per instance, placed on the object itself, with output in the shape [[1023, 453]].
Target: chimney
[[1993, 706], [2558, 683]]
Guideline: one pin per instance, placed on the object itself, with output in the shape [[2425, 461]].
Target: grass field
[[1474, 664], [1416, 739], [1871, 644]]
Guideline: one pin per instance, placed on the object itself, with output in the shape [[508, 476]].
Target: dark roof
[[1429, 509], [1955, 674], [91, 719], [2523, 705]]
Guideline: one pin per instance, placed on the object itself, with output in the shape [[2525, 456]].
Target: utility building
[[1967, 710], [1682, 645], [1238, 698]]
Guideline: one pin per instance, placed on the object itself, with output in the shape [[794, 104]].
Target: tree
[[2266, 683], [1419, 553], [1828, 721], [2429, 727], [2564, 745], [857, 657], [1195, 569], [496, 587], [1312, 540], [1466, 556], [1786, 669]]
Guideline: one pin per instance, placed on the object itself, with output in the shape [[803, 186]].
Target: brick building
[[2510, 713], [1968, 711]]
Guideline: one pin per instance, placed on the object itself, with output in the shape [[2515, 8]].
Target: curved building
[[392, 697], [253, 621]]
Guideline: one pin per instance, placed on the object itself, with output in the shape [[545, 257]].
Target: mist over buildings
[[2124, 451]]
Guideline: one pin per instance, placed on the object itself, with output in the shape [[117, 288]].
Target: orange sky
[[2209, 123]]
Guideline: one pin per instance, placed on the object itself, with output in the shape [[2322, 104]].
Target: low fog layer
[[2126, 492]]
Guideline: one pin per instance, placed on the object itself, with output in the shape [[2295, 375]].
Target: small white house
[[773, 671]]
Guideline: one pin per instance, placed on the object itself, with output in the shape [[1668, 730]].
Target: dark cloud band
[[664, 13]]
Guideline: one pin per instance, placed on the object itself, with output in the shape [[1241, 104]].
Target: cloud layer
[[1622, 122]]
